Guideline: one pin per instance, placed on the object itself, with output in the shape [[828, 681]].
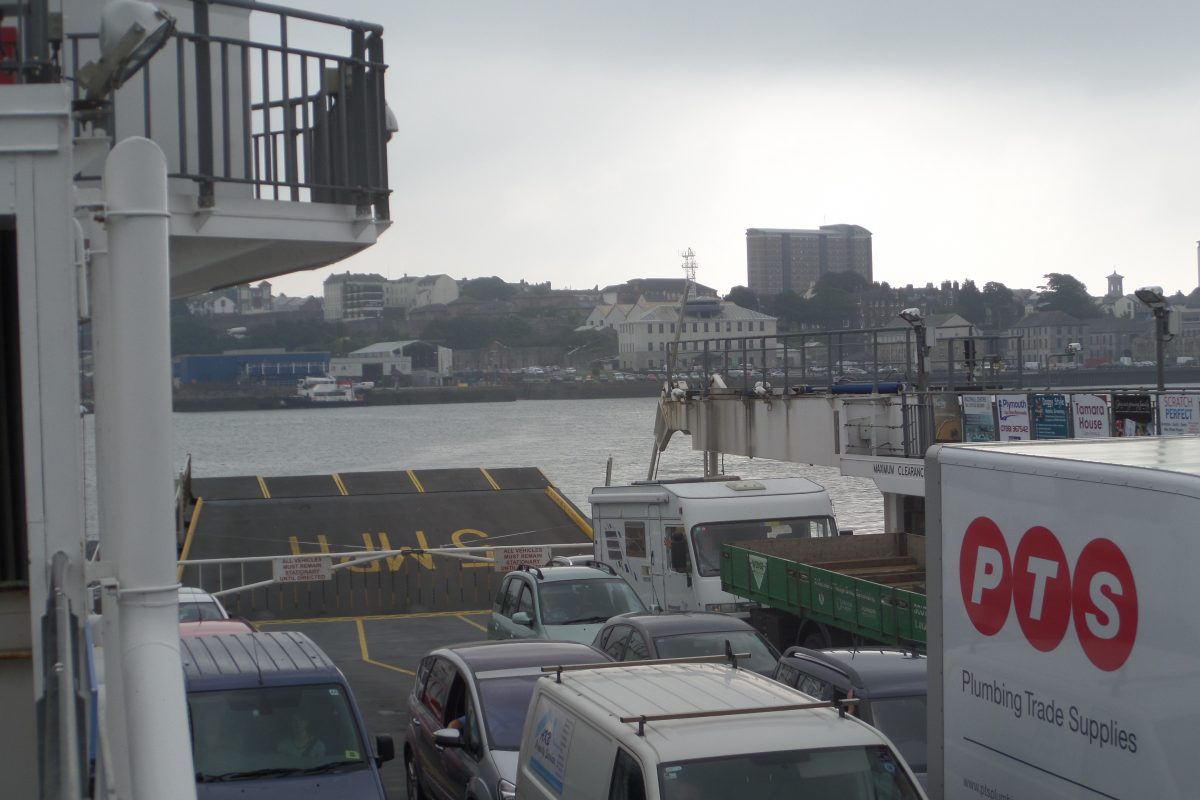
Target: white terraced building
[[644, 342]]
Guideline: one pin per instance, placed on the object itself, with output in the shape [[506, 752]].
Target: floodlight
[[911, 315], [131, 32], [1151, 296], [1074, 347]]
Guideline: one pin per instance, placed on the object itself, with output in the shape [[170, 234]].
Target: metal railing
[[295, 124]]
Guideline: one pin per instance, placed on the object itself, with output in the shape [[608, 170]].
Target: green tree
[[789, 308], [1066, 293], [195, 336], [1003, 308], [492, 288], [971, 303], [849, 282], [744, 297]]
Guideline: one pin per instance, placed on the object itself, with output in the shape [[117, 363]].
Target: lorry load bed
[[870, 585]]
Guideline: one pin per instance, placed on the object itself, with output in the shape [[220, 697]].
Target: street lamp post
[[1152, 296], [914, 318]]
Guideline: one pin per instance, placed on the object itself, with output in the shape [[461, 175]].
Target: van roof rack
[[692, 479], [727, 656], [534, 570], [642, 719]]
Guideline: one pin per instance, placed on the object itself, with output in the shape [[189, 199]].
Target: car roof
[[238, 660], [563, 573], [876, 671], [650, 689], [490, 655], [192, 594], [210, 627], [680, 622]]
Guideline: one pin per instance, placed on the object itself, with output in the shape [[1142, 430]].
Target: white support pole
[[131, 330]]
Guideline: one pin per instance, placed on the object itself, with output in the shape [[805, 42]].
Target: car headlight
[[507, 791]]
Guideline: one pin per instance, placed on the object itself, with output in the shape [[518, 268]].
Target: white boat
[[322, 392]]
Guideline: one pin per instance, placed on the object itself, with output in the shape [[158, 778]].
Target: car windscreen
[[712, 643], [273, 731], [505, 703], [844, 773], [708, 538], [584, 601], [902, 719], [194, 611]]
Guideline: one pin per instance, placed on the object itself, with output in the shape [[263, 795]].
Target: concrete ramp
[[246, 516]]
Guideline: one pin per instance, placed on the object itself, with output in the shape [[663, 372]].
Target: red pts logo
[[1101, 598]]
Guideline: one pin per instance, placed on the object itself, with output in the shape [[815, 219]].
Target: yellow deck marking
[[569, 510], [187, 539], [341, 486], [488, 475], [412, 476], [366, 656], [369, 617], [263, 485], [472, 623]]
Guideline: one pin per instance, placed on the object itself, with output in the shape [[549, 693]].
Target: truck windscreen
[[708, 538]]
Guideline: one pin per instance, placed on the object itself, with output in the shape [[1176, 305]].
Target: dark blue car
[[271, 715]]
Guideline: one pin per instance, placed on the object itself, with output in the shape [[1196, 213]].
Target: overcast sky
[[587, 143]]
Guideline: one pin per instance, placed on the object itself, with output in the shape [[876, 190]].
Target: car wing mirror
[[448, 737], [385, 749], [522, 618]]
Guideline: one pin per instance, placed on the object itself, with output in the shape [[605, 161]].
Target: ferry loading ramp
[[247, 516]]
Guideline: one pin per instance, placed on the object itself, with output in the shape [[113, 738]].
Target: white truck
[[1064, 651], [665, 537]]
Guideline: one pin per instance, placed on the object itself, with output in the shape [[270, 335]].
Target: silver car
[[467, 711]]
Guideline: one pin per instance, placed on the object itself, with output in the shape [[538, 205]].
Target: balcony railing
[[292, 123]]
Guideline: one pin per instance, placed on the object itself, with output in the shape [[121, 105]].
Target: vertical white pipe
[[131, 328]]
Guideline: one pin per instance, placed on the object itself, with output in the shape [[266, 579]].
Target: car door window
[[636, 649], [512, 591], [627, 781], [525, 601], [787, 675], [616, 642], [422, 676], [437, 688]]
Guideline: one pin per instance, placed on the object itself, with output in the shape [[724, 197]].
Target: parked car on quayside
[[559, 603], [196, 604], [272, 716], [482, 689], [891, 684], [649, 635]]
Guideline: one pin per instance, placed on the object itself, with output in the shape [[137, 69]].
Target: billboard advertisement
[[1179, 414], [1089, 415], [1012, 414], [1133, 415], [979, 419], [947, 422], [1049, 414]]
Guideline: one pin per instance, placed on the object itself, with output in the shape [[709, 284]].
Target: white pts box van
[[1064, 645], [677, 731], [665, 537]]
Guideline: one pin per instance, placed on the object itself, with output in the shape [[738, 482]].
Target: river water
[[569, 440]]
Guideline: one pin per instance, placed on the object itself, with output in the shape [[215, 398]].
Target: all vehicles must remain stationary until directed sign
[[294, 570]]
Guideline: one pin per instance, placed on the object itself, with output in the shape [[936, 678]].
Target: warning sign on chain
[[290, 569], [510, 558]]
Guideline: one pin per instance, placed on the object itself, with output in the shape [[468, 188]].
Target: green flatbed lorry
[[830, 591]]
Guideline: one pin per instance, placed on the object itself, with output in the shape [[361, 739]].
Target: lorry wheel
[[815, 637], [412, 783]]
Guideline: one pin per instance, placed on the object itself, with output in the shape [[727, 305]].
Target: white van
[[664, 538], [697, 731]]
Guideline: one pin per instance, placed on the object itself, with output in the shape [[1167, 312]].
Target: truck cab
[[665, 537]]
